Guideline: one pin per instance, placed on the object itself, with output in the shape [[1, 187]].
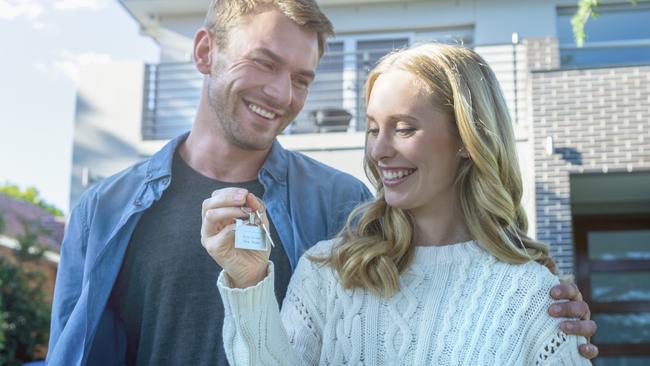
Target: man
[[134, 283]]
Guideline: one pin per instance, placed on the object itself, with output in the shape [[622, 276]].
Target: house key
[[250, 235]]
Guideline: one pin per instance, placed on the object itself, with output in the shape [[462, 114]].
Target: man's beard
[[225, 109]]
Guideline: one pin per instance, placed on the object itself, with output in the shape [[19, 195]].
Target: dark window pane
[[604, 56], [332, 60], [326, 91], [619, 245], [623, 361], [368, 54], [629, 286], [616, 23], [622, 328]]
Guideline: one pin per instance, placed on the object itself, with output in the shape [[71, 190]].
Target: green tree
[[29, 244], [31, 195], [586, 9], [24, 310], [24, 313]]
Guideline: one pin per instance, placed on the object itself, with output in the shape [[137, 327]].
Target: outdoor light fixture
[[550, 149], [515, 38]]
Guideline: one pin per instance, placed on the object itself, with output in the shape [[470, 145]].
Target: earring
[[463, 153]]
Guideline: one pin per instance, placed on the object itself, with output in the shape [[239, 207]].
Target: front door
[[613, 273]]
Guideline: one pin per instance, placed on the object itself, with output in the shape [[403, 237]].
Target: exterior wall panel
[[599, 120]]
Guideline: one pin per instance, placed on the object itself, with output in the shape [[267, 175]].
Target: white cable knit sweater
[[457, 305]]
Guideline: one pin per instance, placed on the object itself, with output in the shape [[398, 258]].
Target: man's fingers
[[566, 291], [255, 203], [571, 309], [226, 197], [588, 350], [223, 215], [585, 328], [215, 219], [551, 265], [224, 240]]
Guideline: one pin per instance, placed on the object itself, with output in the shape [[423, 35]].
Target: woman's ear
[[203, 47]]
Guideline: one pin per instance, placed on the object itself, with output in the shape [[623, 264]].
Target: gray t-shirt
[[166, 291]]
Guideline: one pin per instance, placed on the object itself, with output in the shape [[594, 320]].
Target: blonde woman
[[438, 269]]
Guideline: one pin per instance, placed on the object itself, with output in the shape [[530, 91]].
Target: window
[[369, 52], [612, 262], [343, 70], [619, 36], [326, 91]]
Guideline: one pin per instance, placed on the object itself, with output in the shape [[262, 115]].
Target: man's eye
[[264, 64], [373, 131], [301, 83]]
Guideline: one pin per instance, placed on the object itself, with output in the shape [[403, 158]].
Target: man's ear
[[203, 47]]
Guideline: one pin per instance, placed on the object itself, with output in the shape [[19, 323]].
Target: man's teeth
[[262, 112], [396, 174]]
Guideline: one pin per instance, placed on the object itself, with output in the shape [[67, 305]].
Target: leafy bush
[[24, 313], [31, 195], [24, 309]]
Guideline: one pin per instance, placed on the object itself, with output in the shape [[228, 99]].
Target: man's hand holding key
[[244, 267]]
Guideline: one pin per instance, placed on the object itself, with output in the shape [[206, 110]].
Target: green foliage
[[586, 9], [31, 195], [30, 247], [24, 313], [24, 310]]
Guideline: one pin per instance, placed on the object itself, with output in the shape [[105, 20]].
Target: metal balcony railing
[[172, 91]]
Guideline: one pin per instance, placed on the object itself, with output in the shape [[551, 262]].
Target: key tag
[[251, 236]]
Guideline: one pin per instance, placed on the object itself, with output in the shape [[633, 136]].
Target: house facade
[[581, 118]]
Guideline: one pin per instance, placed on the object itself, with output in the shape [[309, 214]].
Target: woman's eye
[[405, 131]]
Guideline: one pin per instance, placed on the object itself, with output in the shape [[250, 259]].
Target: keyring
[[252, 220], [251, 214]]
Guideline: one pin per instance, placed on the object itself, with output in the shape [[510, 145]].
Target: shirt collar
[[276, 163], [160, 163]]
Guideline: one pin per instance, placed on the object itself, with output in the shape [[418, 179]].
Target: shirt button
[[137, 203]]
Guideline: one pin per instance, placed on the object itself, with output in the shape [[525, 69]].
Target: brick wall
[[599, 120], [542, 53]]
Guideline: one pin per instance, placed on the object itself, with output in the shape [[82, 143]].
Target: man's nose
[[279, 89]]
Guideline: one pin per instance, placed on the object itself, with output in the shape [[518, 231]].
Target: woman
[[438, 269]]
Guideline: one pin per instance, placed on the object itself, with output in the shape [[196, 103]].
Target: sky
[[42, 45]]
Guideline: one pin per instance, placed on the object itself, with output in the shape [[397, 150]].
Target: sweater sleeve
[[562, 350], [254, 333]]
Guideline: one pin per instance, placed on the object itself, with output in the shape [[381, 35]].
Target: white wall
[[108, 113], [493, 21], [176, 37]]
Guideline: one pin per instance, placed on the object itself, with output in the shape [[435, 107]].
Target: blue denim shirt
[[307, 200]]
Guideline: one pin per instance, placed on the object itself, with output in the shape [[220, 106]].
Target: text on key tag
[[248, 235]]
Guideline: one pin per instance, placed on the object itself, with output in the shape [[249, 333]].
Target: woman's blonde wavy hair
[[376, 242]]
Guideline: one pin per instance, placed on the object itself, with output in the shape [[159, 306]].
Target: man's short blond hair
[[223, 15]]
